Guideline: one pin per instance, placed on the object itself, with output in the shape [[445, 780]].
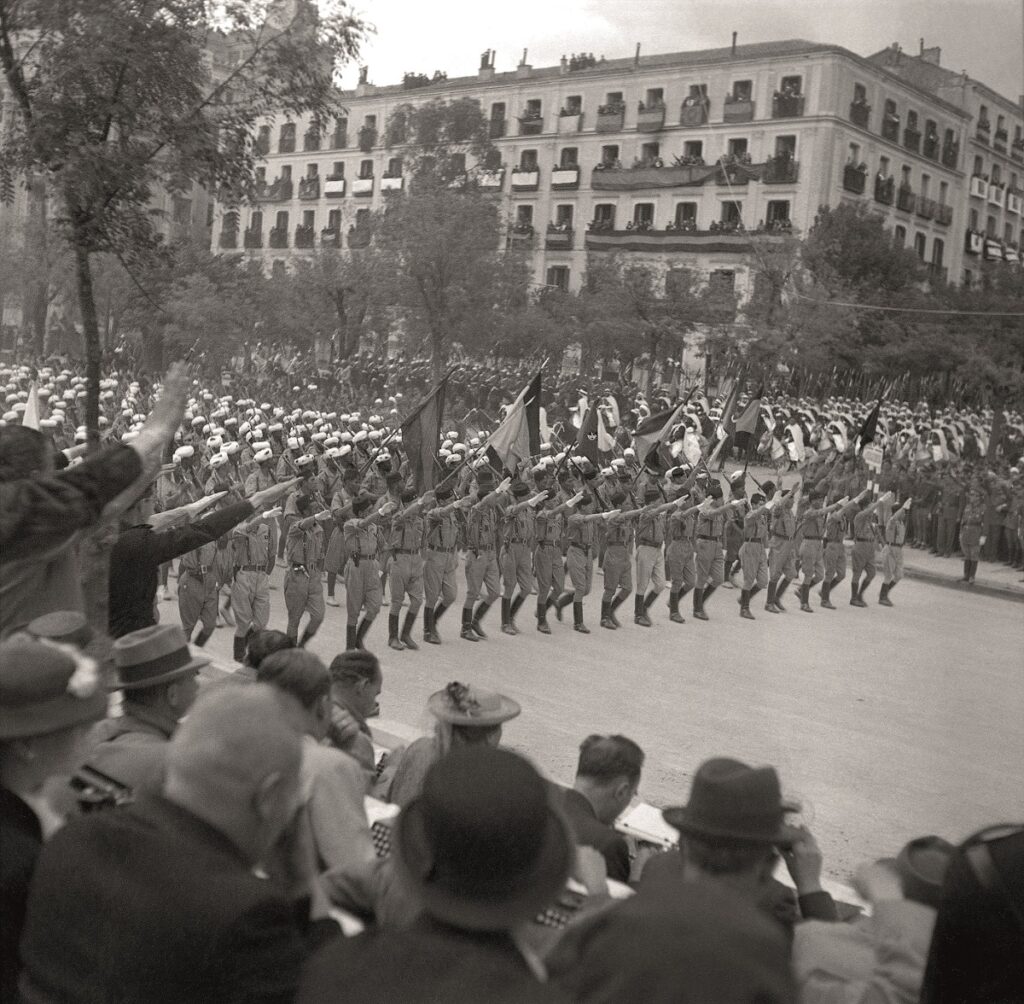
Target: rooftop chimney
[[486, 71], [524, 68], [734, 34], [932, 55], [636, 58]]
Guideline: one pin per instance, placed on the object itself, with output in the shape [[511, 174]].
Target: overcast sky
[[984, 37]]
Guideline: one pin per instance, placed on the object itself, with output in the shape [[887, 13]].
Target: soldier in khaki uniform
[[710, 557], [363, 591], [406, 572], [441, 559], [581, 531], [618, 559], [895, 534], [548, 565], [865, 542], [481, 558], [519, 539], [198, 589], [303, 557]]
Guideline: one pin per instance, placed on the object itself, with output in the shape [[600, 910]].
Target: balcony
[[732, 172], [930, 148], [359, 237], [912, 139], [531, 124], [278, 237], [610, 117], [993, 249], [497, 128], [1014, 201], [569, 123], [491, 181], [228, 239], [787, 106], [362, 187], [926, 208], [304, 236], [311, 140], [330, 237], [252, 239], [737, 110], [951, 155], [650, 119], [996, 195], [391, 183], [855, 178], [525, 179], [943, 214], [633, 179], [891, 128], [860, 113], [1017, 149], [693, 112], [999, 140], [906, 200], [979, 186], [724, 241], [564, 179], [339, 140], [885, 190], [334, 186], [558, 238], [277, 191], [520, 236], [983, 130], [286, 144], [309, 188], [780, 170], [974, 242]]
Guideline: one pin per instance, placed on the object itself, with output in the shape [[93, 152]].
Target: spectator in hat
[[159, 680], [732, 831], [49, 694], [483, 851], [158, 901], [882, 956], [466, 716], [607, 778]]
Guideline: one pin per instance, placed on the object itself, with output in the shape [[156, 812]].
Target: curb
[[978, 589]]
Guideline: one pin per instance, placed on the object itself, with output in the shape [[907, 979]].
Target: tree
[[115, 98]]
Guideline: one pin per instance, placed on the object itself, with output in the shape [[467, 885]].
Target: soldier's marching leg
[[414, 590], [493, 592], [315, 608]]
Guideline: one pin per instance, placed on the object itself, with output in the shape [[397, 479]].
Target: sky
[[983, 37]]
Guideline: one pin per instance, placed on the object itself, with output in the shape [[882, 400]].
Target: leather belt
[[864, 540], [813, 538], [300, 568], [203, 570], [440, 550], [253, 568], [650, 543], [783, 536], [356, 558], [704, 536], [404, 550], [546, 543], [752, 540], [585, 548]]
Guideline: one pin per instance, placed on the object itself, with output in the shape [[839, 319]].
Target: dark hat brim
[[680, 818], [189, 669], [507, 709], [532, 891], [47, 717]]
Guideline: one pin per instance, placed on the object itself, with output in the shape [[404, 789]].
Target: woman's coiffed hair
[[298, 673]]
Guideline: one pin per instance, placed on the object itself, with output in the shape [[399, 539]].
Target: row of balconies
[[334, 187], [277, 237], [991, 248], [996, 194], [905, 199], [928, 145]]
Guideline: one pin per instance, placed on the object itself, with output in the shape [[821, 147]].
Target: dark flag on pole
[[593, 437], [517, 438], [869, 428], [421, 435], [995, 437], [745, 426]]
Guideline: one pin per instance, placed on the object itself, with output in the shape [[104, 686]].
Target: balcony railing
[[278, 237], [558, 238], [727, 240], [780, 170], [1014, 201], [276, 191], [891, 128], [610, 118], [631, 179], [787, 106], [390, 183], [252, 239], [855, 179], [694, 113], [564, 179], [737, 111], [732, 174], [943, 214], [521, 236], [330, 237], [951, 155], [309, 188], [359, 237], [491, 181], [650, 119], [362, 187], [983, 130], [930, 147], [912, 139], [926, 208], [999, 139], [885, 190], [905, 199], [1017, 149], [860, 113], [497, 128], [525, 179], [339, 140], [229, 239], [530, 125], [569, 122], [311, 140], [334, 186], [979, 186], [304, 236], [996, 195]]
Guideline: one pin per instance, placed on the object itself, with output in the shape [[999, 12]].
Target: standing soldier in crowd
[[581, 532], [895, 534], [753, 551], [972, 536], [198, 589], [547, 557], [303, 555], [835, 547], [481, 561], [650, 554], [782, 554], [253, 544], [406, 576], [362, 570], [618, 559], [520, 534], [710, 559], [865, 541], [441, 559], [341, 508]]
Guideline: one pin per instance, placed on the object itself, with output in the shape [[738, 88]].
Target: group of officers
[[541, 532]]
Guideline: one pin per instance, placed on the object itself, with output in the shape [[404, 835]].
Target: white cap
[[183, 453], [218, 460], [304, 461]]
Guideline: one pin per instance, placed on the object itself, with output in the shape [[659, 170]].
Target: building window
[[286, 172], [899, 236], [737, 147], [722, 281], [610, 156], [533, 108], [286, 138], [860, 94], [742, 90], [370, 122], [334, 219], [698, 94], [569, 157], [905, 176], [778, 212], [655, 97], [996, 174], [990, 226], [365, 169], [528, 160], [312, 170], [613, 98], [925, 182], [498, 111], [979, 166], [972, 219], [732, 213], [853, 157], [919, 241], [564, 216], [943, 192], [890, 109], [650, 155], [792, 85], [282, 220], [558, 276], [256, 221], [938, 250], [686, 216], [643, 215], [338, 169], [261, 175], [604, 216], [308, 218], [395, 167], [573, 104], [785, 146], [912, 121], [1007, 232], [693, 150]]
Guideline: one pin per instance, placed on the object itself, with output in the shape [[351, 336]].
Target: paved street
[[885, 723]]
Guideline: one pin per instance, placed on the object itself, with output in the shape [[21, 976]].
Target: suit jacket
[[21, 840], [151, 904], [589, 831], [131, 749]]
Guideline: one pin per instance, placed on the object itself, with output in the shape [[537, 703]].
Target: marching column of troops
[[541, 532]]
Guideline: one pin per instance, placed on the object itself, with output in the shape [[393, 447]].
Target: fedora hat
[[921, 866], [152, 656], [67, 626], [459, 704], [482, 847], [732, 801]]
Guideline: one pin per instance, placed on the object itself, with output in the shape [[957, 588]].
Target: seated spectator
[[258, 646], [607, 778], [158, 902], [465, 716], [704, 945], [356, 682], [159, 681], [731, 831], [483, 851], [975, 953], [881, 956], [49, 694]]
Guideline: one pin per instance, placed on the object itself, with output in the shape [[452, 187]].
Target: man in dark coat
[[158, 902]]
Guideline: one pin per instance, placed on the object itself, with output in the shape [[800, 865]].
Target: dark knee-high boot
[[517, 602], [467, 625], [361, 630], [393, 641], [350, 637], [617, 600], [640, 611], [406, 638], [745, 605], [673, 607], [542, 617], [783, 586], [805, 598], [430, 634], [506, 615], [203, 637], [708, 592], [238, 646], [606, 620], [481, 608], [561, 603], [769, 605], [307, 635], [577, 618]]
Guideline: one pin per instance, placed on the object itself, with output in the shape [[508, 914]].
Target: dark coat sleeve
[[170, 544], [41, 512]]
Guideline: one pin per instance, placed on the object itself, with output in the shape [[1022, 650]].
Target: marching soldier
[[835, 547], [481, 563], [520, 536], [303, 552], [650, 553], [548, 566], [362, 570], [618, 559], [895, 535], [253, 544], [581, 532], [680, 552], [441, 558], [752, 556], [782, 552], [865, 541], [198, 589], [710, 558], [811, 529], [406, 574]]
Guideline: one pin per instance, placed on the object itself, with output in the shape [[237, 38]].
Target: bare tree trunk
[[91, 338]]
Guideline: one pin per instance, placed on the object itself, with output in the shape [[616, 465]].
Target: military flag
[[517, 438], [869, 428], [421, 435], [594, 437]]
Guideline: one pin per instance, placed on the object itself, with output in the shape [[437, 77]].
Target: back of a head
[[604, 759], [264, 643], [354, 665], [232, 740], [23, 452], [298, 673]]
